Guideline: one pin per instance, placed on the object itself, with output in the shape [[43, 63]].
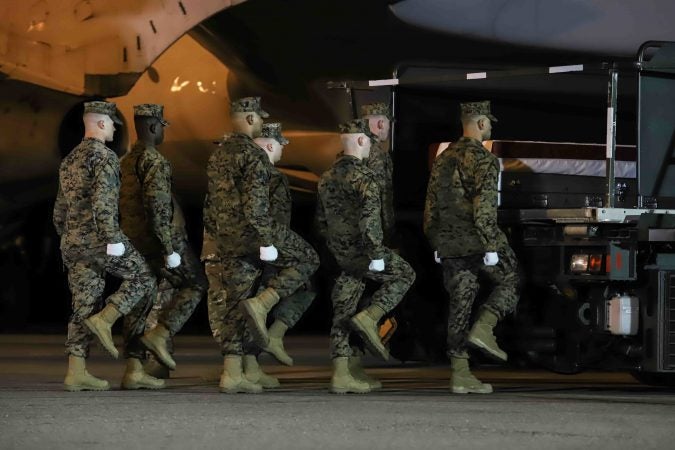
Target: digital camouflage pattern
[[236, 209], [248, 104], [233, 280], [349, 211], [216, 294], [248, 206], [290, 309], [147, 217], [460, 221], [382, 164], [146, 203], [151, 110], [86, 219], [187, 281], [280, 198], [216, 300], [472, 109], [272, 130], [86, 278], [349, 218], [375, 109], [460, 215], [107, 108], [165, 293], [395, 279], [86, 208], [357, 126], [462, 277]]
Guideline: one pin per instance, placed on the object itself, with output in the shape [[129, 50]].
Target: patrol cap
[[151, 110], [248, 104], [99, 107], [477, 109], [273, 131], [356, 126], [375, 109]]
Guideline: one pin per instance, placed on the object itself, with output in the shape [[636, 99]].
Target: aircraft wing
[[610, 27], [67, 45]]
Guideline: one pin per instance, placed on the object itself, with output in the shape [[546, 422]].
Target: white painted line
[[563, 69], [390, 82], [476, 76]]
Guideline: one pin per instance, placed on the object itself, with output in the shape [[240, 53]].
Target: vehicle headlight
[[579, 263]]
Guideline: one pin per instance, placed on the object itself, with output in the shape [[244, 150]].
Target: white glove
[[172, 260], [376, 265], [436, 258], [268, 253], [491, 258], [115, 249]]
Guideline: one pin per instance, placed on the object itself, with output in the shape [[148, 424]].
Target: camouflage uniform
[[460, 221], [381, 163], [237, 217], [349, 217], [86, 218], [290, 309], [147, 211]]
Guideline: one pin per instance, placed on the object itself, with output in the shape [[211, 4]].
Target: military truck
[[593, 225]]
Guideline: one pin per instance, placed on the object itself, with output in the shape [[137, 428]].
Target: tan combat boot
[[356, 369], [276, 344], [342, 381], [254, 373], [462, 380], [255, 311], [481, 335], [156, 340], [101, 325], [78, 379], [136, 378], [365, 323], [156, 369], [232, 380]]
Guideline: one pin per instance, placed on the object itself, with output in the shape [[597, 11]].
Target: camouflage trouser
[[461, 278], [165, 294], [297, 262], [233, 280], [187, 284], [86, 277], [396, 279], [289, 310]]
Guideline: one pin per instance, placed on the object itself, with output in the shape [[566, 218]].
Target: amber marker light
[[595, 263]]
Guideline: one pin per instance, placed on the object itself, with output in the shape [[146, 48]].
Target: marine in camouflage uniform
[[290, 309], [237, 217], [349, 217], [147, 217], [86, 219], [460, 222], [381, 163]]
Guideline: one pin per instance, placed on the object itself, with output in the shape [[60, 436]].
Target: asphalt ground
[[529, 409]]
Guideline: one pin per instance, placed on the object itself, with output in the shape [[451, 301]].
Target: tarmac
[[530, 409]]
